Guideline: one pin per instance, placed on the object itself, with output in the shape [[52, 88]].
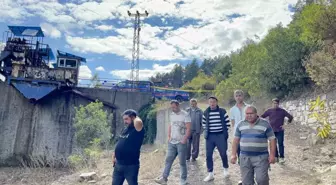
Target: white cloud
[[144, 74], [100, 68], [84, 72], [50, 30], [214, 35], [104, 27]]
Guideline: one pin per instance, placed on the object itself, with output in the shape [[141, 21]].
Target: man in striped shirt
[[253, 135], [215, 123]]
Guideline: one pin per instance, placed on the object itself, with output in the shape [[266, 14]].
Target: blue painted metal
[[34, 90], [50, 52], [69, 55], [31, 31], [58, 84]]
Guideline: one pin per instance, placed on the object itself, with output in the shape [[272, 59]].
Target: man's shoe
[[277, 159], [209, 178], [193, 159], [183, 182], [240, 183], [226, 172], [281, 160], [161, 180]]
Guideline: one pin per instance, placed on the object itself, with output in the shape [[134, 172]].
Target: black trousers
[[280, 149], [220, 141], [128, 172]]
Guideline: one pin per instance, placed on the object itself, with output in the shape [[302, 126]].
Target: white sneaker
[[210, 177], [240, 183], [183, 182], [226, 172], [161, 181], [282, 160]]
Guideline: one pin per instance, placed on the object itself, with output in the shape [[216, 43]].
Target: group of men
[[254, 144]]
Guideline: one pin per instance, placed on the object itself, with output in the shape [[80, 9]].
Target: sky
[[175, 32]]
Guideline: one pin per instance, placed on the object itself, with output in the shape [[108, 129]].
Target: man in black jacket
[[215, 123]]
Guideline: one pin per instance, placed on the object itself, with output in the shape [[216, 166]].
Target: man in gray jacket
[[196, 129]]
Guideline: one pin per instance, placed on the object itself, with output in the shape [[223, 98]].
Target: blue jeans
[[128, 172], [280, 149], [174, 150]]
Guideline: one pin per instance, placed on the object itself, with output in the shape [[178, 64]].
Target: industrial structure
[[25, 63], [136, 44]]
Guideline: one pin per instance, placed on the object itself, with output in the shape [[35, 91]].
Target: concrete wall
[[163, 120], [45, 130], [123, 101]]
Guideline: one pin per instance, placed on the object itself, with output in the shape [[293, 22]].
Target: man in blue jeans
[[276, 117], [178, 135], [127, 151]]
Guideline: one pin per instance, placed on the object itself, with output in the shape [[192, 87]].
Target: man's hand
[[233, 159], [113, 160], [184, 141], [284, 126], [271, 159], [169, 139]]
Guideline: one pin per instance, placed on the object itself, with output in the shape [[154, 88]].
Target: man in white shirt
[[178, 135]]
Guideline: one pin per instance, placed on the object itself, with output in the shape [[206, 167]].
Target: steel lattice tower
[[136, 44]]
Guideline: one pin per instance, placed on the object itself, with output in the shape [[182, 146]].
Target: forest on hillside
[[301, 55]]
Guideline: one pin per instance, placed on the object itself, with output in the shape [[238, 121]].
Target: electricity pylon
[[136, 44]]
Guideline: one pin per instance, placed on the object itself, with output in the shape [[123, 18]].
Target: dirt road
[[296, 171]]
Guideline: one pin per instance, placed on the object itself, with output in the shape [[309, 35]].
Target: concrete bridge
[[44, 129]]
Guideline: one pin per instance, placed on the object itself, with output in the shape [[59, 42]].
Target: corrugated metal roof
[[26, 31], [34, 91]]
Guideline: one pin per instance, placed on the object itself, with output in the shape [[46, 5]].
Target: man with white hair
[[196, 115]]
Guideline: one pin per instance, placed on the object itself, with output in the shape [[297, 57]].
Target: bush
[[91, 122], [321, 67], [88, 158], [320, 114], [148, 115]]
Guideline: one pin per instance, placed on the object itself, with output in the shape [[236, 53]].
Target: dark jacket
[[196, 119], [277, 118], [223, 116]]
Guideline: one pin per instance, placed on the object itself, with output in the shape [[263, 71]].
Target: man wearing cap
[[276, 117], [127, 151], [178, 135], [215, 123], [196, 115]]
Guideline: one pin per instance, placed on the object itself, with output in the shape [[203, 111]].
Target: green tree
[[305, 24], [191, 70], [177, 76], [209, 65], [223, 68], [283, 71], [245, 71], [91, 122]]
